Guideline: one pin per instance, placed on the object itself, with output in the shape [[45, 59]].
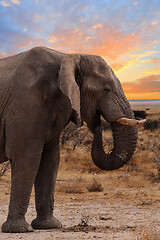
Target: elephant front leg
[[44, 187], [23, 173]]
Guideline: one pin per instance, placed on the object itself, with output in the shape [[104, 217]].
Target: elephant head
[[102, 94]]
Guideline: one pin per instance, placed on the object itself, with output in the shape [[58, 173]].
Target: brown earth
[[94, 204]]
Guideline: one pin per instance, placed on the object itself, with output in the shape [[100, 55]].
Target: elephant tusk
[[130, 122]]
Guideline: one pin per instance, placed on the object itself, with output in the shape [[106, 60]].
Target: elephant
[[41, 91]]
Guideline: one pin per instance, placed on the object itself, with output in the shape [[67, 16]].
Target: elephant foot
[[46, 223], [16, 226]]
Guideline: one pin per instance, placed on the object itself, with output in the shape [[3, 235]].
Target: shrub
[[95, 186], [151, 125], [140, 114]]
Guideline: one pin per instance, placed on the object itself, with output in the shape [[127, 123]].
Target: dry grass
[[77, 161], [95, 186], [137, 181], [80, 159], [70, 187]]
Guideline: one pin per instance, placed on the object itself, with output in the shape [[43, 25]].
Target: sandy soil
[[114, 213], [106, 221]]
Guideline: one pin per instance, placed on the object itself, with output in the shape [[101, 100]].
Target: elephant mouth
[[130, 122]]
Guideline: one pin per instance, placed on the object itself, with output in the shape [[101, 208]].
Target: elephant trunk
[[124, 136]]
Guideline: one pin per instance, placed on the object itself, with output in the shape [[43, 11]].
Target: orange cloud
[[28, 45], [155, 70], [97, 26], [52, 39], [145, 54], [15, 1], [118, 66], [144, 85], [137, 58], [155, 22], [5, 4], [102, 40], [154, 42], [2, 54], [155, 60], [148, 95], [144, 88], [114, 44]]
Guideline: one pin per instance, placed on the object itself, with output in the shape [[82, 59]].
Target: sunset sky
[[126, 33]]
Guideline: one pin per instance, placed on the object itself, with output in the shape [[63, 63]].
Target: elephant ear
[[68, 85]]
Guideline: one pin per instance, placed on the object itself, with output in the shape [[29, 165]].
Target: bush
[[95, 186], [140, 114], [151, 125]]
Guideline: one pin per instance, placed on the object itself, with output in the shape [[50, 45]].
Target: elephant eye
[[106, 90]]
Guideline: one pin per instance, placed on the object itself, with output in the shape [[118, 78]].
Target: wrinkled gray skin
[[41, 91]]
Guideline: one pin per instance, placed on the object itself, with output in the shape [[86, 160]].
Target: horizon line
[[143, 99]]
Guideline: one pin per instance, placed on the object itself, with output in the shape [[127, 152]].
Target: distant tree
[[140, 114]]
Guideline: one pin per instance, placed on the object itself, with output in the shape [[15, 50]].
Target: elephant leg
[[44, 187], [24, 167]]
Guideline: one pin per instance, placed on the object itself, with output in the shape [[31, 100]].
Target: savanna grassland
[[94, 204]]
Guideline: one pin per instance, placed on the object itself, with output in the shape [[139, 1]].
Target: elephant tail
[[3, 157]]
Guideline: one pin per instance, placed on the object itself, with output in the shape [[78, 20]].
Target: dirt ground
[[94, 204], [114, 213]]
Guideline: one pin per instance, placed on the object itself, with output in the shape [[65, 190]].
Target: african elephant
[[41, 91]]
